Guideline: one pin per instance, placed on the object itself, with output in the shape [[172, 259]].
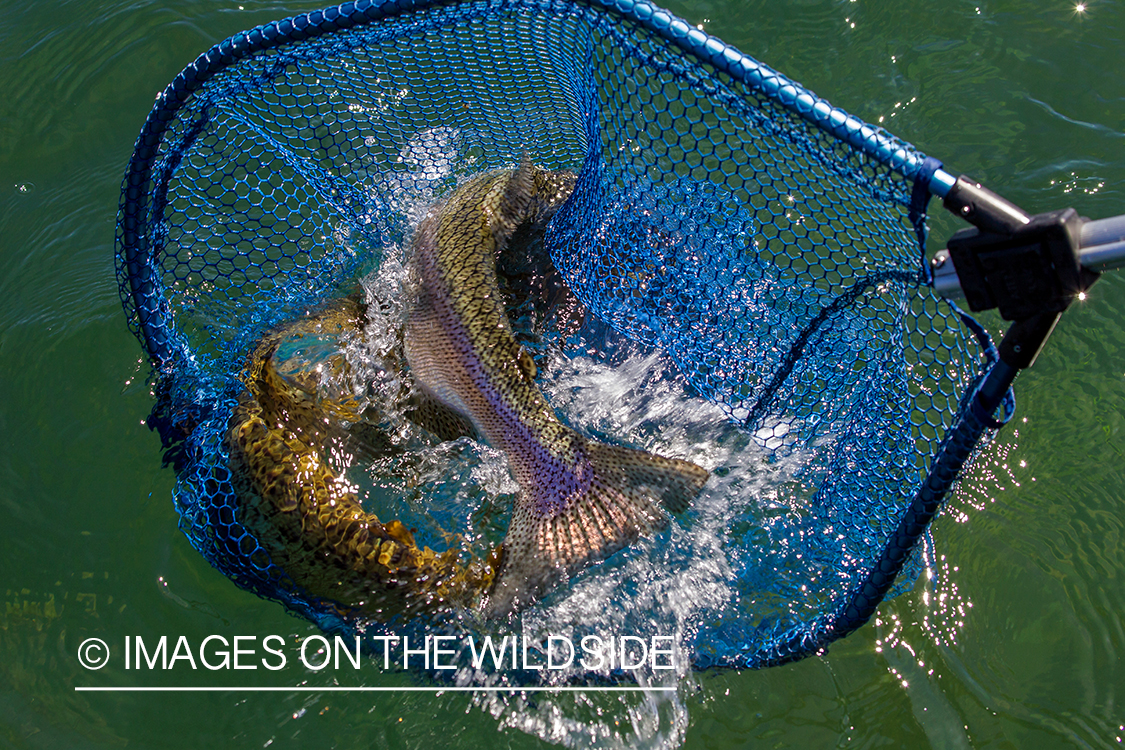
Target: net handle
[[1068, 246]]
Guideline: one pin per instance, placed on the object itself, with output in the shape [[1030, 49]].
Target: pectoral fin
[[432, 415]]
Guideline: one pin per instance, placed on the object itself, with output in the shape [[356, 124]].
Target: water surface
[[1012, 640]]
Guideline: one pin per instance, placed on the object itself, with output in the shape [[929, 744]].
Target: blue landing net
[[769, 244]]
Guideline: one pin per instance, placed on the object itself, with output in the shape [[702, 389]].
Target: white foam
[[675, 584]]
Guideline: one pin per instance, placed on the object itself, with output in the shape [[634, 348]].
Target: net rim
[[135, 257], [140, 195]]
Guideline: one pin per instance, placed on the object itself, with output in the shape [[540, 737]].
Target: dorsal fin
[[516, 202]]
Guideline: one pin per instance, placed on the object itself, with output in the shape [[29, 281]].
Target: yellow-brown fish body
[[311, 531], [579, 500]]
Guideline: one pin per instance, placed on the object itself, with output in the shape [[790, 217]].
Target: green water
[[1015, 644]]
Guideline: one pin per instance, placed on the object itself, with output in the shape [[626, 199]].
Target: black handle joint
[[1027, 267], [1022, 265]]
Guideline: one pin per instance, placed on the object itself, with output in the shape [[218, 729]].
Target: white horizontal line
[[338, 689]]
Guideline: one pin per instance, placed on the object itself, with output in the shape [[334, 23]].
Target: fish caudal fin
[[618, 499], [671, 481]]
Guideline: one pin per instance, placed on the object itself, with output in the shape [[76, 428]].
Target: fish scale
[[579, 500], [308, 519]]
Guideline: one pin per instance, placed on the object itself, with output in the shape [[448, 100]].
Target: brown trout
[[284, 439], [579, 500]]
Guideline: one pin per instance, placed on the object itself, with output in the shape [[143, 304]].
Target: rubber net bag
[[745, 261]]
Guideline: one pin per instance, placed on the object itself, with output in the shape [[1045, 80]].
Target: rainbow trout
[[579, 500]]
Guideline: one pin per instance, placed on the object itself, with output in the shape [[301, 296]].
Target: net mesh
[[721, 215]]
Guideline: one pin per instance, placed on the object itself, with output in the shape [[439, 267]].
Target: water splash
[[690, 579]]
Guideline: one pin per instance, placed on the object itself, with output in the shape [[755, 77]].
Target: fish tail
[[624, 495], [673, 482]]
